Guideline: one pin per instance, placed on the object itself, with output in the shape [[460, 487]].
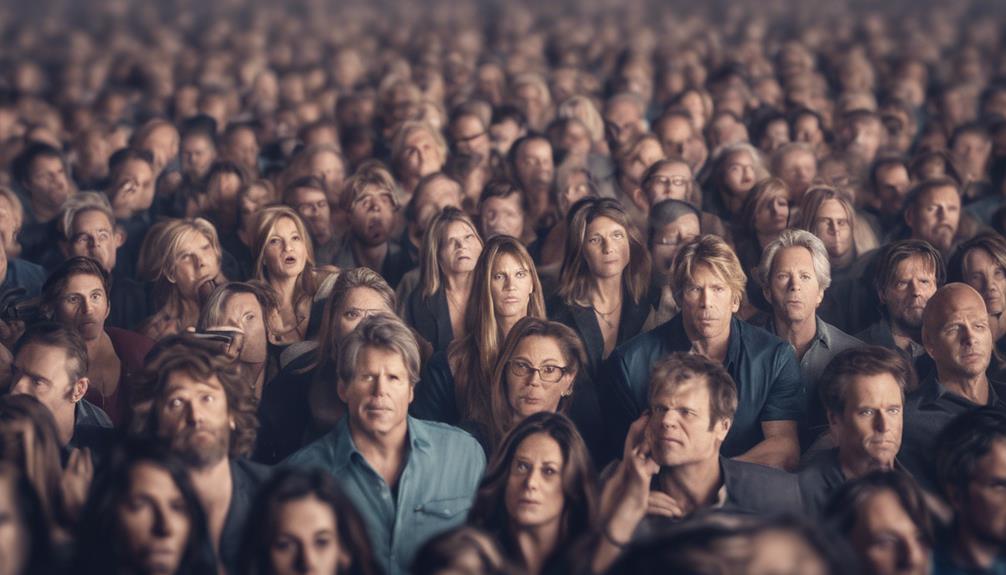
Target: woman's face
[[250, 203], [306, 539], [606, 248], [772, 215], [739, 173], [536, 376], [511, 286], [360, 303], [153, 520], [534, 495], [285, 250], [577, 187], [196, 262], [15, 541], [460, 248]]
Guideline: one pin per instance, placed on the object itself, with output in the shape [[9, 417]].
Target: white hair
[[793, 238]]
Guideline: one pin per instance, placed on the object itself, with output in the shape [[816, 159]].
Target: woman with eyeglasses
[[536, 372]]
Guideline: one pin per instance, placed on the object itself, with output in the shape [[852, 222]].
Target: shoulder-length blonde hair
[[473, 357], [756, 198], [431, 275], [574, 278], [267, 220], [158, 257], [712, 251], [573, 355], [583, 109]]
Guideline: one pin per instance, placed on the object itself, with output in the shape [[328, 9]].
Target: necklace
[[603, 315]]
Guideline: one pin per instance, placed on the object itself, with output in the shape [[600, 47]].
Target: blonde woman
[[285, 261], [450, 251], [182, 259]]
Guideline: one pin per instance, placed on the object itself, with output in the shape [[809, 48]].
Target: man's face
[[832, 225], [869, 430], [470, 137], [575, 140], [48, 182], [984, 273], [893, 183], [983, 507], [313, 207], [681, 429], [798, 168], [668, 241], [83, 306], [244, 311], [197, 154], [626, 118], [140, 175], [707, 304], [887, 539], [674, 134], [864, 139], [935, 217], [242, 148], [644, 155], [194, 418], [42, 371], [377, 398], [329, 168], [420, 154], [670, 182], [971, 152], [162, 142], [739, 173], [503, 135], [502, 217], [958, 337], [534, 165], [909, 290], [196, 262], [808, 130], [793, 286], [94, 236], [430, 201], [372, 215]]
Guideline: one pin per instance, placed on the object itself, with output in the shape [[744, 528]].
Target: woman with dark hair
[[884, 516], [604, 284], [144, 517], [449, 253], [466, 549], [25, 547], [733, 174], [539, 494], [301, 403], [455, 385], [763, 216], [536, 371], [302, 523]]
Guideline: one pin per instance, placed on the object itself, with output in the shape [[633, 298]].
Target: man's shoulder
[[321, 452], [657, 340], [250, 472], [757, 339], [840, 340], [443, 436], [759, 488]]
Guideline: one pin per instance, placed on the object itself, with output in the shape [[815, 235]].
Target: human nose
[[880, 423], [508, 283], [162, 526], [912, 555], [306, 559], [533, 480], [605, 246], [21, 385]]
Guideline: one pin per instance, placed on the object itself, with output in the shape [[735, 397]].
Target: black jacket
[[584, 322], [430, 317]]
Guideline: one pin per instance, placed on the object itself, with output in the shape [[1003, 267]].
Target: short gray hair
[[383, 331], [84, 202], [793, 238]]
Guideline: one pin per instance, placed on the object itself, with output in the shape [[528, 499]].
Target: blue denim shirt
[[442, 470], [764, 367]]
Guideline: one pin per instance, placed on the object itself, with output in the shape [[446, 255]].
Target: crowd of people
[[502, 287]]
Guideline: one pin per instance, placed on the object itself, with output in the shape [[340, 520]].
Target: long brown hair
[[473, 357], [574, 279], [431, 276], [579, 483], [268, 218], [499, 398]]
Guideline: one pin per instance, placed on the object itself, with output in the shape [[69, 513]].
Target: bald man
[[957, 336]]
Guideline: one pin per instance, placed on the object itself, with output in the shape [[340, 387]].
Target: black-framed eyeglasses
[[666, 182], [547, 373]]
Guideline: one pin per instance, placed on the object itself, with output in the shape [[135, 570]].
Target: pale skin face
[[83, 306], [680, 429], [832, 225], [531, 394], [285, 250], [798, 169], [306, 539], [96, 237], [739, 173], [892, 184], [243, 311], [535, 168], [887, 539], [534, 495], [502, 217], [330, 169], [647, 153], [196, 262], [511, 286], [984, 273], [359, 304], [312, 205], [984, 505], [772, 215], [935, 217], [794, 290], [670, 182], [907, 294], [421, 155], [154, 520], [378, 396], [194, 417], [372, 215], [41, 371], [869, 430], [707, 304], [197, 154], [959, 337], [577, 188], [669, 239], [48, 182], [140, 176], [470, 137], [460, 248], [606, 248]]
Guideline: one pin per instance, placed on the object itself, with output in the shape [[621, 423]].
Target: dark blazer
[[246, 478], [435, 398], [430, 317], [284, 414], [584, 322]]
